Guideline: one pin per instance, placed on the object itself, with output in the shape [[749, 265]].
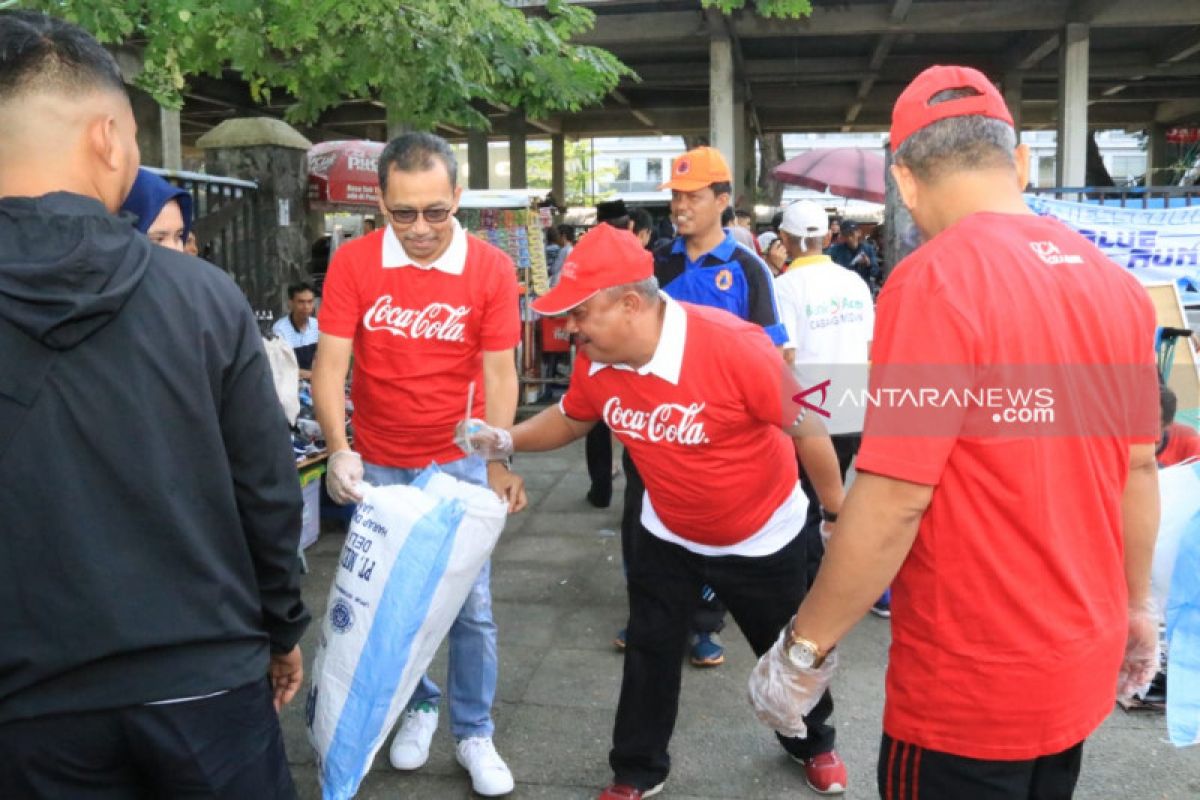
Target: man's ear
[[104, 142], [1021, 158]]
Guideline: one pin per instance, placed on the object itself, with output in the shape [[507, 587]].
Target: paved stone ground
[[559, 597]]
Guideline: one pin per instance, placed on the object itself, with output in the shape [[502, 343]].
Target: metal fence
[[227, 231]]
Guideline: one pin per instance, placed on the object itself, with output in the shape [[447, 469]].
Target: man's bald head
[[64, 112]]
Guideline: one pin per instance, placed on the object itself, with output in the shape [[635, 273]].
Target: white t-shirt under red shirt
[[703, 420], [419, 336]]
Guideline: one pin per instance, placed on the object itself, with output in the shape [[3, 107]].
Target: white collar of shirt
[[667, 360], [451, 262]]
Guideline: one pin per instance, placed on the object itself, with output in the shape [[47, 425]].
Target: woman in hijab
[[163, 211]]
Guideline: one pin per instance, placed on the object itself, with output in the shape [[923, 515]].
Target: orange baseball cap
[[913, 112], [698, 168], [603, 258]]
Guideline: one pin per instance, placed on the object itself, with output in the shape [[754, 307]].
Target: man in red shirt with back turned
[[705, 405], [427, 311], [1017, 542]]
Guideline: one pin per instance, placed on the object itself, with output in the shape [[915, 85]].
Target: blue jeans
[[474, 663]]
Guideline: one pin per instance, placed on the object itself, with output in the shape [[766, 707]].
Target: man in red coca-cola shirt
[[427, 311], [705, 405]]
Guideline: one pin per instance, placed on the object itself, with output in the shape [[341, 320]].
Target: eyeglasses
[[407, 216]]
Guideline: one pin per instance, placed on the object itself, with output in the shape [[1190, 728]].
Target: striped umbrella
[[844, 171]]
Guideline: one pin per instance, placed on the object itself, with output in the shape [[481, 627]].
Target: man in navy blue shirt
[[853, 253], [704, 265]]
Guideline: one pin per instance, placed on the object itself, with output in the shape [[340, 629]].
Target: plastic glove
[[781, 693], [476, 436], [1141, 651], [343, 474]]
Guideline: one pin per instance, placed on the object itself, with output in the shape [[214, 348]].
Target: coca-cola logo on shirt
[[440, 321], [669, 422]]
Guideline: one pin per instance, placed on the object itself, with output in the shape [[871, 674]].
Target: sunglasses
[[407, 216]]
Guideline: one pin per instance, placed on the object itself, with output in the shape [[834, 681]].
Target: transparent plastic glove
[[343, 474], [781, 693], [476, 436], [1141, 651]]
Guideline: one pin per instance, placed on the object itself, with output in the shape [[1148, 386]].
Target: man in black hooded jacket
[[149, 599]]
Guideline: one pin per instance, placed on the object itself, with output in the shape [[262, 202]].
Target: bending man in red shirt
[[426, 310], [1010, 490], [705, 405]]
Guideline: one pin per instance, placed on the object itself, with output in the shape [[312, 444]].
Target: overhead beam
[[883, 47], [1031, 51], [1179, 48], [640, 116], [957, 17], [1177, 111]]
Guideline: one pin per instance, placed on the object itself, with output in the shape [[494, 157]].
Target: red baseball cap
[[698, 168], [603, 258], [913, 112]]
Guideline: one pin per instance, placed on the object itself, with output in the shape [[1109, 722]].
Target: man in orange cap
[[1017, 545], [704, 403]]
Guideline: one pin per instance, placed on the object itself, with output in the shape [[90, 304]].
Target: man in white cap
[[707, 408], [828, 313]]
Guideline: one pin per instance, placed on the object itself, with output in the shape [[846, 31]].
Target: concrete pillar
[[172, 138], [558, 168], [749, 170], [737, 164], [266, 257], [721, 122], [1072, 105], [901, 236], [1157, 158], [477, 159], [1012, 99], [516, 149]]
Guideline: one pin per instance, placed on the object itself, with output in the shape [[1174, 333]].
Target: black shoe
[[599, 500]]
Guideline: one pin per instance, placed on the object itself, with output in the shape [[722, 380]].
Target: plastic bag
[[285, 374], [410, 559], [1183, 608]]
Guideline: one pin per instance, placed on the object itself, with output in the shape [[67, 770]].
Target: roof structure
[[838, 70]]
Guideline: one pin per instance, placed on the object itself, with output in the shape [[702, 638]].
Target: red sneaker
[[623, 791], [825, 773]]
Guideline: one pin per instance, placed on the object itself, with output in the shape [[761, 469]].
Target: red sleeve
[[763, 377], [577, 402], [501, 325], [923, 343], [339, 297]]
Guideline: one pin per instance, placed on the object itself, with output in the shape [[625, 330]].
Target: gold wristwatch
[[803, 653]]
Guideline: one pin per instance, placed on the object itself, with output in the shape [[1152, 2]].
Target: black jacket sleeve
[[761, 304], [266, 485]]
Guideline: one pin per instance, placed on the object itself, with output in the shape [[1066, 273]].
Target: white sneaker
[[489, 774], [410, 748]]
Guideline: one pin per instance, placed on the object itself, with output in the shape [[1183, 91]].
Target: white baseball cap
[[804, 219], [766, 239]]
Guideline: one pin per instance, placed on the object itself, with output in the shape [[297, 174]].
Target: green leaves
[[788, 9], [428, 60]]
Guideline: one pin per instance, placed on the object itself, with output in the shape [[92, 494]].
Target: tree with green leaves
[[582, 178], [427, 61], [785, 9]]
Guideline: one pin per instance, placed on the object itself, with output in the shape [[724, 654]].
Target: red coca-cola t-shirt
[[419, 335], [1009, 613], [702, 420]]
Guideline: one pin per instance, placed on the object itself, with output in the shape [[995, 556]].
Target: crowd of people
[[151, 607]]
